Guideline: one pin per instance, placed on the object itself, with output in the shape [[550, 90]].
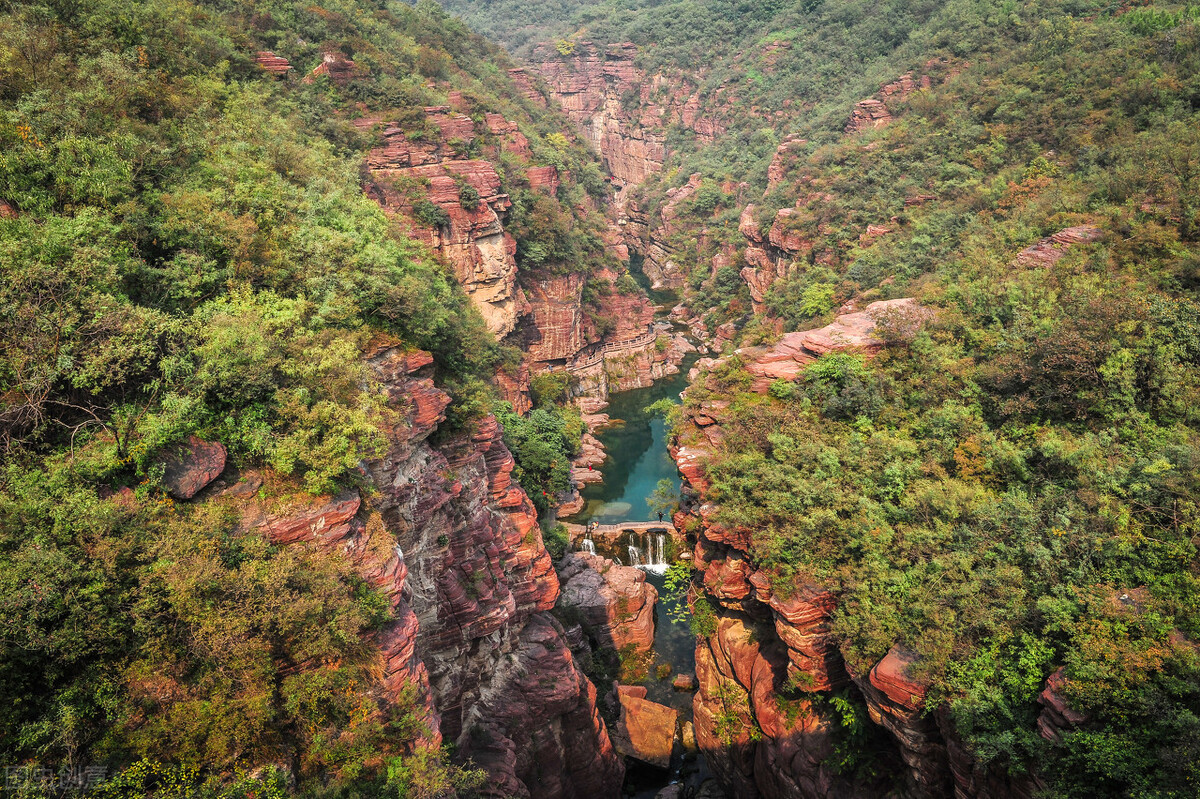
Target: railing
[[608, 349], [604, 529]]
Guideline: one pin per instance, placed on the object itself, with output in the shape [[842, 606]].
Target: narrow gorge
[[668, 399]]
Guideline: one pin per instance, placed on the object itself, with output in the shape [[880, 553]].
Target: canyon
[[698, 403]]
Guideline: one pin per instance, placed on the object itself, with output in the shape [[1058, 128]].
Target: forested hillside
[[998, 490], [282, 280], [188, 255]]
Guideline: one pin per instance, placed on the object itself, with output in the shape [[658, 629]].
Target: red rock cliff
[[453, 541]]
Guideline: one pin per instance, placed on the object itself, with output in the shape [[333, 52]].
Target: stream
[[636, 445]]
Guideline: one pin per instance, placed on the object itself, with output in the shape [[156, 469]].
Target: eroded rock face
[[620, 110], [453, 541], [472, 239], [757, 745], [340, 69], [456, 205], [895, 699], [590, 84], [616, 602], [192, 466], [783, 248]]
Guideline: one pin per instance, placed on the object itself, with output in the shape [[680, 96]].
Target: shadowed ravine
[[636, 444]]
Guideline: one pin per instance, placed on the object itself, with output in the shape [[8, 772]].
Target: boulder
[[687, 737], [645, 730], [684, 682], [192, 467]]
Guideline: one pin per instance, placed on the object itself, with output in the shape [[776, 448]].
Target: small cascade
[[648, 552], [588, 546]]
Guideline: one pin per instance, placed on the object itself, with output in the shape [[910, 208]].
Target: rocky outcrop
[[878, 111], [615, 602], [340, 69], [1057, 715], [192, 466], [784, 248], [855, 330], [653, 235], [452, 203], [452, 540], [272, 64], [895, 699], [1048, 251], [784, 153]]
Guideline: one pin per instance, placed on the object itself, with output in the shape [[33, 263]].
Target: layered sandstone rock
[[895, 698], [778, 253], [616, 104], [590, 85], [1048, 251], [1057, 714], [275, 65], [456, 205], [615, 602], [453, 541], [192, 466], [556, 331], [472, 239]]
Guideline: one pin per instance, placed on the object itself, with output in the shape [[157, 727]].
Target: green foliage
[[664, 498], [677, 581], [427, 774], [542, 444], [151, 778], [550, 388], [428, 213], [556, 541], [190, 251], [703, 617]]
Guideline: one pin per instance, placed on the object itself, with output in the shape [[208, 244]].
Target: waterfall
[[648, 552], [588, 546]]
